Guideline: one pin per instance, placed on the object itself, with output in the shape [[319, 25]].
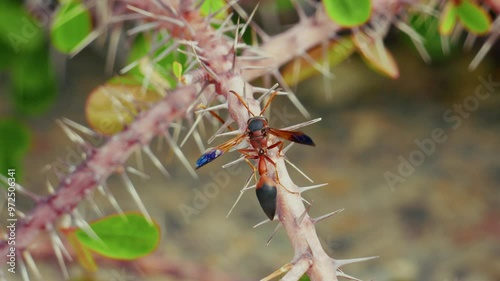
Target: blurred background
[[431, 212]]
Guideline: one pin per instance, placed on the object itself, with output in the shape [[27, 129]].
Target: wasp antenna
[[135, 196], [242, 102], [273, 95], [274, 233], [323, 217], [339, 263], [266, 92]]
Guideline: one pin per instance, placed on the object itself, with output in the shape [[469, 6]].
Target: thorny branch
[[214, 52]]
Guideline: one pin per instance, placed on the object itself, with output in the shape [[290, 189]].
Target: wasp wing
[[217, 151], [295, 136]]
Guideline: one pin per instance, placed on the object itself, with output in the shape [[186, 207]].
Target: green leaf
[[18, 30], [14, 145], [72, 24], [348, 13], [33, 82], [304, 278], [177, 68], [428, 28], [122, 238], [473, 17], [211, 6], [448, 19]]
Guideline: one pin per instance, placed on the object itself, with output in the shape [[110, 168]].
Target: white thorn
[[165, 53], [291, 94], [339, 263], [270, 90], [135, 196], [32, 265], [261, 223], [232, 133], [180, 155], [191, 130], [317, 66], [278, 272], [79, 127], [58, 251], [155, 160], [106, 192], [306, 188], [303, 124], [495, 27], [285, 150], [137, 172], [342, 274], [142, 27], [94, 205], [23, 269], [274, 233], [74, 137], [213, 108], [249, 20], [222, 128], [233, 162], [245, 188], [151, 15], [85, 227], [318, 219], [298, 170]]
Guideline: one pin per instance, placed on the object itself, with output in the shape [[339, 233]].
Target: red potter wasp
[[258, 132]]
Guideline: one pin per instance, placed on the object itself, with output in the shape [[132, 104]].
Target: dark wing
[[217, 151], [295, 136]]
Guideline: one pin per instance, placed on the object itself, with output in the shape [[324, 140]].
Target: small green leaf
[[72, 24], [122, 238], [448, 19], [33, 82], [18, 30], [473, 17], [177, 68], [348, 13], [14, 144], [211, 6]]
